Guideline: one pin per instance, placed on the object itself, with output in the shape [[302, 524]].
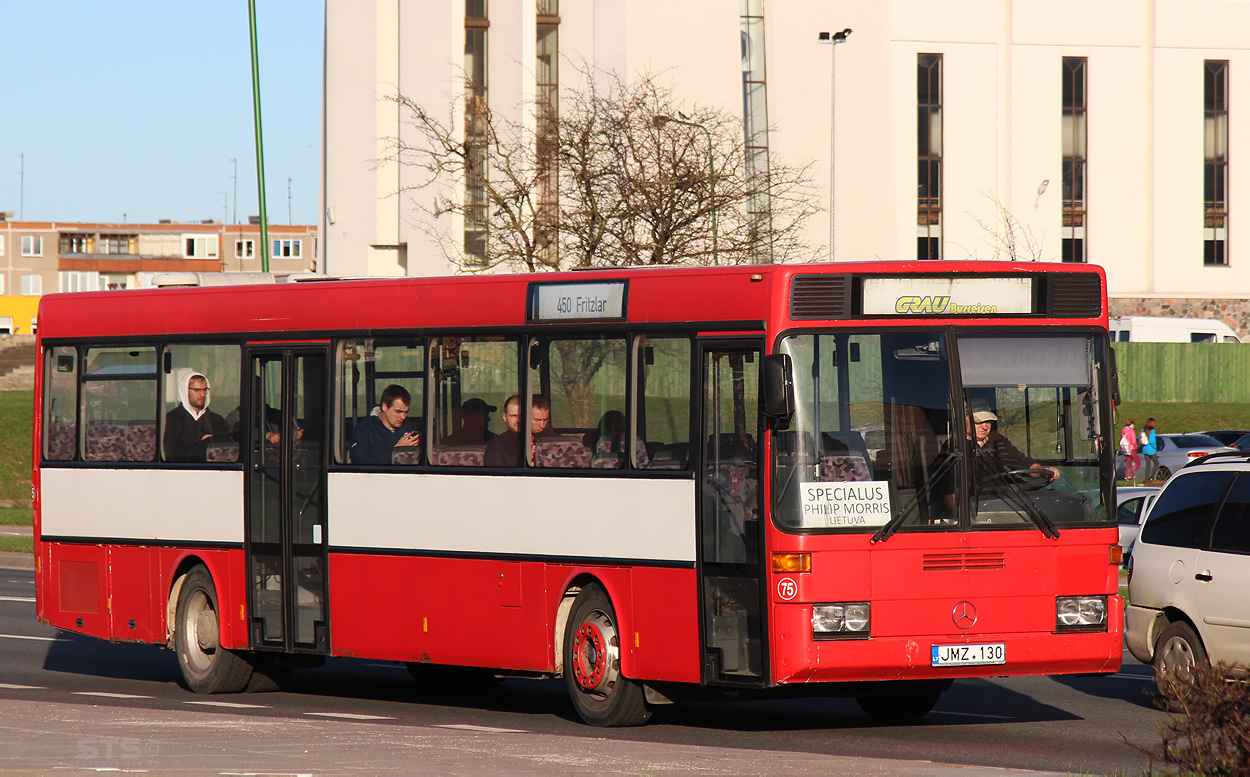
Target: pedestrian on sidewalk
[[1149, 450], [1129, 444]]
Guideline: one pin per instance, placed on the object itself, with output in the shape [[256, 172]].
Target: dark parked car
[[1227, 436]]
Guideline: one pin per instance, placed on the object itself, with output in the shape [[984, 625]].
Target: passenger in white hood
[[190, 427]]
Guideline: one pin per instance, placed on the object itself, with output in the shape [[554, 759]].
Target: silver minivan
[[1189, 572]]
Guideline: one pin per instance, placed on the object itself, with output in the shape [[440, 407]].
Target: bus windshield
[[876, 441]]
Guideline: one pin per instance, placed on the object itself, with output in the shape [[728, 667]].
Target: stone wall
[[1234, 312]]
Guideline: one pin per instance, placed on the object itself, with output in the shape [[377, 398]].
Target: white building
[[1149, 86]]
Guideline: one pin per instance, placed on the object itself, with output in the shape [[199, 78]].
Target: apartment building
[[39, 258]]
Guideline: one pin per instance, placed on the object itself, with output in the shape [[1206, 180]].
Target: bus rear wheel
[[601, 695], [206, 666], [909, 703]]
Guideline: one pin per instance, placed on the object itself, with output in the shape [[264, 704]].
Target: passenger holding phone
[[374, 438]]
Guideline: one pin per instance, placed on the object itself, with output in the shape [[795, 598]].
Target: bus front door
[[731, 576], [286, 486]]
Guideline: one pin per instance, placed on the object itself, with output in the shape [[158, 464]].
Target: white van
[[1158, 329]]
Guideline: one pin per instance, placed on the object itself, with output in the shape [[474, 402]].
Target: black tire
[[601, 695], [1177, 650], [1161, 474], [910, 704], [206, 666]]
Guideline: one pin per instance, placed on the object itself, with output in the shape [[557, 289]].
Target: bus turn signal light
[[1116, 555], [792, 562]]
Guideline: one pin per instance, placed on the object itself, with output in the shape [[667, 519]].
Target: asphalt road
[[56, 688]]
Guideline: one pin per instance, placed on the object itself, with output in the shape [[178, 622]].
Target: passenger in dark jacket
[[190, 427], [505, 449], [376, 437]]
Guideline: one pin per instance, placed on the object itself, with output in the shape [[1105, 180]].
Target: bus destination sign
[[947, 296], [577, 301]]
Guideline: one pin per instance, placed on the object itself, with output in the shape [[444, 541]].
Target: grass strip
[[17, 545], [17, 516]]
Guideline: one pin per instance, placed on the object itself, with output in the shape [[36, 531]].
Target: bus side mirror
[[779, 387], [1115, 380]]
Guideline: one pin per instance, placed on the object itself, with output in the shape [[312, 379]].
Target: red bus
[[860, 479]]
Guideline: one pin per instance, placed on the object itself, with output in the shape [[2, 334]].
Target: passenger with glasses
[[191, 427]]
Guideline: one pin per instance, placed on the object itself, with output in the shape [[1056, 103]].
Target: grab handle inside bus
[[779, 387]]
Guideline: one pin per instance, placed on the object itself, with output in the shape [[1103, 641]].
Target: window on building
[[1215, 162], [1074, 175], [547, 97], [929, 151], [1, 245], [77, 243], [119, 244], [285, 249], [755, 114], [79, 280], [32, 285], [244, 249], [32, 245], [200, 246], [476, 132]]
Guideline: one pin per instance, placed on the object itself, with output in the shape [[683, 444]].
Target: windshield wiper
[[1020, 501], [888, 531]]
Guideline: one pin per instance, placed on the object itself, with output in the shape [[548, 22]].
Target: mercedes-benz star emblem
[[964, 615]]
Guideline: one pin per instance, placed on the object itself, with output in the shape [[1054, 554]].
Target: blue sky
[[137, 107]]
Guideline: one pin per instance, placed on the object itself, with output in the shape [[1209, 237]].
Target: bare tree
[[630, 192], [1006, 236]]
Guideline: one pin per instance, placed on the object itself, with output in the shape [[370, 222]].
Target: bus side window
[[365, 368], [662, 388], [472, 379], [60, 406], [584, 381], [221, 366], [119, 404]]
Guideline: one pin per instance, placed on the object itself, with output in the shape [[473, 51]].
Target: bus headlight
[[1080, 612], [846, 620]]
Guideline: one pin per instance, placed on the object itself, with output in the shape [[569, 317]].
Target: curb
[[17, 561]]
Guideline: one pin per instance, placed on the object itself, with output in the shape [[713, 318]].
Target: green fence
[[1183, 372]]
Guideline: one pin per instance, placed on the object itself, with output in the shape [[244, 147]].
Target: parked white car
[[1131, 505], [1190, 570]]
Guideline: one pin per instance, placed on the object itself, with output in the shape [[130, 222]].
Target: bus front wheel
[[906, 704], [592, 664], [206, 666]]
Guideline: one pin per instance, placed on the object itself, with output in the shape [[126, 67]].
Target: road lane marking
[[30, 599], [350, 716], [108, 695], [975, 715], [1132, 676], [37, 639], [482, 729], [231, 704], [15, 687]]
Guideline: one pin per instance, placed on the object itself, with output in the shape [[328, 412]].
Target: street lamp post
[[833, 39], [659, 121]]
